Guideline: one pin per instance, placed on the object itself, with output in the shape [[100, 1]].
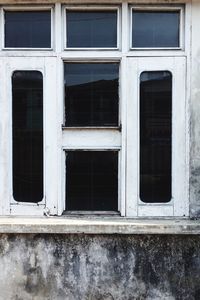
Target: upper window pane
[[155, 29], [28, 29], [92, 29], [91, 94]]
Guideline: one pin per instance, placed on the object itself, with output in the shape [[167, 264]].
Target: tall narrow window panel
[[91, 29], [91, 94], [28, 29], [92, 180], [155, 29], [27, 120], [155, 136]]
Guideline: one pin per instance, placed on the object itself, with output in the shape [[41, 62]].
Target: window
[[28, 29], [92, 180], [91, 94], [99, 123], [156, 27], [27, 111], [155, 136], [91, 28]]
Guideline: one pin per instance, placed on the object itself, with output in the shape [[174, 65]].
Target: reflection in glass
[[27, 117], [92, 180], [92, 29], [155, 136], [151, 29], [91, 94], [28, 29]]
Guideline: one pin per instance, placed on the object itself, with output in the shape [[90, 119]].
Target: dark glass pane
[[91, 94], [92, 180], [155, 29], [92, 29], [27, 89], [28, 29], [155, 136]]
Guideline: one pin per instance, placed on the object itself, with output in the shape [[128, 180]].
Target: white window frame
[[178, 206], [47, 67], [179, 9], [92, 138], [86, 9], [49, 8], [59, 139]]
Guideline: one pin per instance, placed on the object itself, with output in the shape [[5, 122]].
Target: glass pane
[[92, 29], [27, 117], [92, 180], [28, 29], [155, 29], [155, 136], [91, 94]]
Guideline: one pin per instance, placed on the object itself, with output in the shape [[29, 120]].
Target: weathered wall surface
[[194, 114], [84, 267]]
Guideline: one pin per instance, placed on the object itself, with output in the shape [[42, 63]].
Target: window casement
[[31, 151], [27, 28], [97, 125], [92, 27], [157, 27]]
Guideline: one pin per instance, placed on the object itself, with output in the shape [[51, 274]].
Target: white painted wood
[[4, 145], [57, 42], [179, 142], [51, 135], [28, 210], [155, 210], [48, 68], [61, 154], [91, 139], [122, 165], [177, 67], [132, 139]]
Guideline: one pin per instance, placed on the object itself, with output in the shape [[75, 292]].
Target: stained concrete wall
[[195, 113], [83, 267]]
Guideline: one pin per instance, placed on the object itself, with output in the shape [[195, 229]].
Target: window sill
[[97, 225]]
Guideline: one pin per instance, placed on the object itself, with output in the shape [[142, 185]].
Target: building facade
[[99, 149]]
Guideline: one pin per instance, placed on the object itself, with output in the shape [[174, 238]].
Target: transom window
[[91, 28], [27, 28]]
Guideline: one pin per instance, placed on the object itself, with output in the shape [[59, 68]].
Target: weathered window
[[155, 29], [91, 94], [155, 136], [91, 29], [27, 112], [92, 180], [94, 110], [28, 29]]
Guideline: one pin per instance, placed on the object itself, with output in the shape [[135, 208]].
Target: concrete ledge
[[97, 225]]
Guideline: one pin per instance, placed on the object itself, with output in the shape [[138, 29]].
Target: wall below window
[[73, 267]]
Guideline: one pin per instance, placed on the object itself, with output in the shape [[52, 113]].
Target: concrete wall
[[80, 267], [195, 113]]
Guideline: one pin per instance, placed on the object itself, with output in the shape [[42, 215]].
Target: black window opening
[[28, 29], [91, 180], [155, 136], [27, 131], [91, 94], [155, 29], [91, 29]]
